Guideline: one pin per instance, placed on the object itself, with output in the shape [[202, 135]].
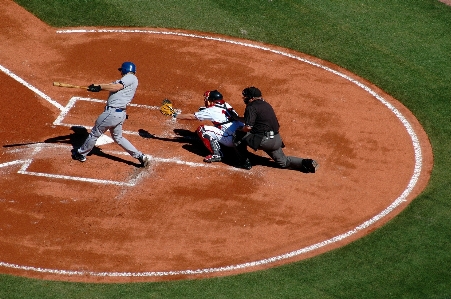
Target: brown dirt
[[215, 220]]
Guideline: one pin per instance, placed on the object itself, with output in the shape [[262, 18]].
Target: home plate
[[104, 139]]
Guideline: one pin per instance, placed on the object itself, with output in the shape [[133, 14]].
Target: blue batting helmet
[[127, 67]]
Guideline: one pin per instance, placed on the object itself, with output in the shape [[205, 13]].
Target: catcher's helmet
[[211, 97], [251, 92], [214, 95], [127, 67]]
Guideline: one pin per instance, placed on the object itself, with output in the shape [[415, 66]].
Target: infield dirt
[[182, 218]]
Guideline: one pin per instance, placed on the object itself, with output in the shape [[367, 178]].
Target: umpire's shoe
[[77, 156], [144, 160], [245, 165], [309, 165]]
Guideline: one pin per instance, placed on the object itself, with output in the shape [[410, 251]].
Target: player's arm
[[248, 119], [234, 115], [199, 115], [111, 87], [187, 116]]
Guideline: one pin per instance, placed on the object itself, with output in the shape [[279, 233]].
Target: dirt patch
[[108, 220]]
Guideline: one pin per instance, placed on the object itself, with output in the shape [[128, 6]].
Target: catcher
[[220, 114]]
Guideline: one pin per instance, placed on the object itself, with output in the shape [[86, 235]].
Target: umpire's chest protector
[[261, 117]]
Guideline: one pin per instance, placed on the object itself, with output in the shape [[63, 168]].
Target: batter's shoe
[[309, 165], [212, 158], [246, 165], [77, 156], [144, 160]]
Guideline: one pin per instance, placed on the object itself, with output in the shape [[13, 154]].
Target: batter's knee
[[95, 133]]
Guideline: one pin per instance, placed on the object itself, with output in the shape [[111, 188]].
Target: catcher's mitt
[[166, 108]]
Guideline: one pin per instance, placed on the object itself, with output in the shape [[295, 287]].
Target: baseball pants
[[111, 119]]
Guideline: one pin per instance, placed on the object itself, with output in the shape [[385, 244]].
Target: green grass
[[404, 47]]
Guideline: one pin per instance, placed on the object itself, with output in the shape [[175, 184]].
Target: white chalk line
[[37, 148], [65, 110], [130, 183], [31, 87], [59, 121], [398, 201]]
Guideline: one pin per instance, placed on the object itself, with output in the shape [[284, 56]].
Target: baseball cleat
[[77, 156], [212, 158], [144, 160]]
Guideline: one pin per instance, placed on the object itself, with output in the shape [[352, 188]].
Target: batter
[[121, 93]]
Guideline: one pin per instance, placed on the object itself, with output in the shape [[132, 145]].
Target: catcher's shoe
[[309, 165], [144, 160], [77, 156], [212, 158]]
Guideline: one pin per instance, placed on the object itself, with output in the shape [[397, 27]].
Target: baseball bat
[[68, 85]]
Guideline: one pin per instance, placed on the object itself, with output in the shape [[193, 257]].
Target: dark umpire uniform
[[261, 131]]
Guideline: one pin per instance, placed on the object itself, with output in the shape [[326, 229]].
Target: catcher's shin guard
[[211, 143]]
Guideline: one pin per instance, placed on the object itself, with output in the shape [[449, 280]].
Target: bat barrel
[[60, 84]]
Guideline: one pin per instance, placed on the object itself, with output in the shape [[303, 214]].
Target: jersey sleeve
[[204, 115], [126, 81]]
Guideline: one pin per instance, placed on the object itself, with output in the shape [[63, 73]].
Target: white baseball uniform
[[113, 118], [223, 126]]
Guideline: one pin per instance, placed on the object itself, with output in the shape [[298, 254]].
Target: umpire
[[261, 131]]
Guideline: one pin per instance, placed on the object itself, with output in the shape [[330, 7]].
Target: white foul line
[[413, 181], [31, 87]]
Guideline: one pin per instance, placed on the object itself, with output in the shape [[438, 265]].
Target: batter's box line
[[37, 148], [176, 160], [73, 101], [130, 183]]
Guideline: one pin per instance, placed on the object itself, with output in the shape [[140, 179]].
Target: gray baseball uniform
[[113, 118]]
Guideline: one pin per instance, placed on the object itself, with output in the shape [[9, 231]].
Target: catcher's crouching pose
[[220, 114], [261, 131]]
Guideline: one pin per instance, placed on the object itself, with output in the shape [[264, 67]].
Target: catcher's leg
[[211, 143]]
